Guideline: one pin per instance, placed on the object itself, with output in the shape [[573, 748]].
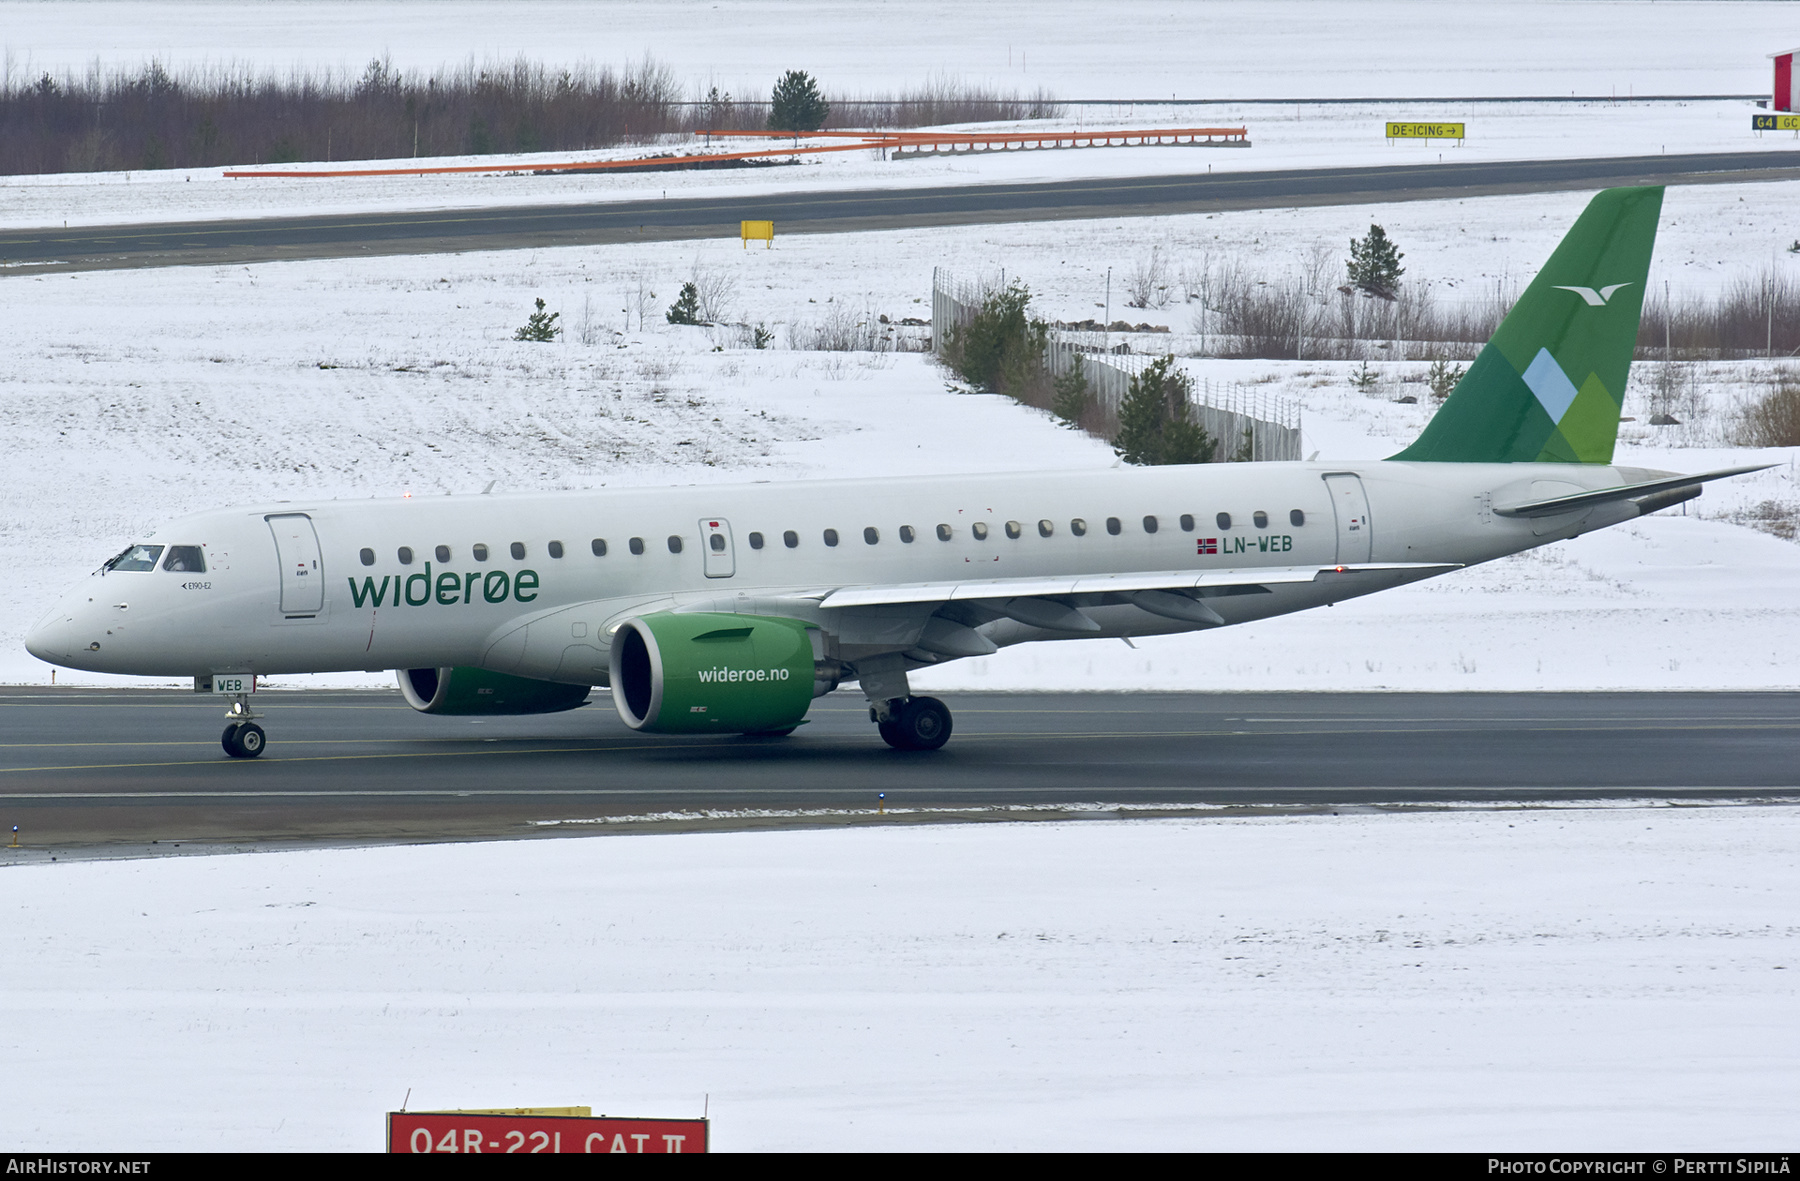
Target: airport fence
[[1247, 423]]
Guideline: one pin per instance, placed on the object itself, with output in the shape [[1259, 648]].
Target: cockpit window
[[138, 557], [186, 559]]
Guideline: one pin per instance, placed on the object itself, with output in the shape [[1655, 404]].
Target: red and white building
[[1787, 81]]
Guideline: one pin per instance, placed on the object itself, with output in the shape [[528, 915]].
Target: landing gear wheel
[[923, 723], [243, 740]]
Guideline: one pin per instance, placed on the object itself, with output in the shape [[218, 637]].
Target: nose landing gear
[[243, 738]]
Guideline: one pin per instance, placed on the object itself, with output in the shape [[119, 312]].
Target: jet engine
[[711, 672], [477, 691]]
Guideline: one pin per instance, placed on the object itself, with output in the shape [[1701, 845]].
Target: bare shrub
[[1244, 314], [1756, 315], [204, 116], [942, 99], [1774, 419], [1148, 284], [1770, 516], [841, 330], [715, 288]]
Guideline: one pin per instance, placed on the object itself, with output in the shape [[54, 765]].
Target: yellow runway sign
[[1425, 130], [1775, 122], [760, 230]]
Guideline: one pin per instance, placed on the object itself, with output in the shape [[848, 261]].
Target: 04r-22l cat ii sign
[[729, 609]]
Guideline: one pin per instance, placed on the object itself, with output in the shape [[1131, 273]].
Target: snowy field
[[1281, 137], [135, 396], [1610, 979], [1220, 52], [1137, 48], [1580, 978]]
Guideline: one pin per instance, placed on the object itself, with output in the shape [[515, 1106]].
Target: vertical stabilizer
[[1548, 386]]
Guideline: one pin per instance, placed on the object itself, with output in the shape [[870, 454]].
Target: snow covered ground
[[135, 396], [1220, 52], [1281, 137], [1613, 979], [1134, 48], [1617, 978]]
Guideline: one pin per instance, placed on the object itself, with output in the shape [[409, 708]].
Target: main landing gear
[[243, 738], [912, 723]]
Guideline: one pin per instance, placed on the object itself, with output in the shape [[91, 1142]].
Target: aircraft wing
[[1580, 500], [1170, 580]]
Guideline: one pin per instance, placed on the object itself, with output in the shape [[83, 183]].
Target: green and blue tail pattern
[[1549, 385]]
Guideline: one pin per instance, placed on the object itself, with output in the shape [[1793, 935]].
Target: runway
[[109, 769], [214, 243]]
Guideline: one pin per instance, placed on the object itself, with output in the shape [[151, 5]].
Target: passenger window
[[831, 537], [674, 544], [599, 547], [871, 535], [791, 539], [979, 529], [1149, 524], [443, 553], [717, 541], [1078, 527], [1187, 522], [1224, 520], [1046, 528], [1014, 530], [185, 559], [1296, 517], [367, 556], [907, 534], [405, 555], [637, 545], [944, 532], [555, 548], [1113, 527], [518, 551], [756, 541], [1260, 519], [480, 550]]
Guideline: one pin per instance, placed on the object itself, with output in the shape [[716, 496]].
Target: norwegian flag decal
[[1207, 545]]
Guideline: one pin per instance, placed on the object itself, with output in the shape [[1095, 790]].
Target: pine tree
[[1071, 398], [1154, 427], [540, 326], [1000, 341], [686, 308], [1374, 264], [796, 104]]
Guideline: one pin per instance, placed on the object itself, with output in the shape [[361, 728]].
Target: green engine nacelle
[[477, 691], [706, 672]]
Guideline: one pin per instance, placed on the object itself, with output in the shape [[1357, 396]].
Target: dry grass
[[1774, 419]]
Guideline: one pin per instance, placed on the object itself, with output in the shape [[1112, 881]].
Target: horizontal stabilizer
[[1584, 500]]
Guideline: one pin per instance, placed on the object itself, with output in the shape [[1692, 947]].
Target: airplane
[[728, 610]]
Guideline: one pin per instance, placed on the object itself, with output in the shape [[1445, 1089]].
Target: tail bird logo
[[1594, 299]]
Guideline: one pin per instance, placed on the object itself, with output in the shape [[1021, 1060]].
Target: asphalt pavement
[[222, 242], [83, 768]]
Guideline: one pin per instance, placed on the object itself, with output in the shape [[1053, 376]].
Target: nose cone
[[51, 639]]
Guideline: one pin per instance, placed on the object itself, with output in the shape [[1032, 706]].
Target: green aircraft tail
[[1548, 386]]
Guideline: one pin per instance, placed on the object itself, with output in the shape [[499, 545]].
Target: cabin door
[[297, 549], [1355, 537]]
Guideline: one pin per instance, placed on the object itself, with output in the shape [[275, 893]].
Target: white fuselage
[[271, 601]]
